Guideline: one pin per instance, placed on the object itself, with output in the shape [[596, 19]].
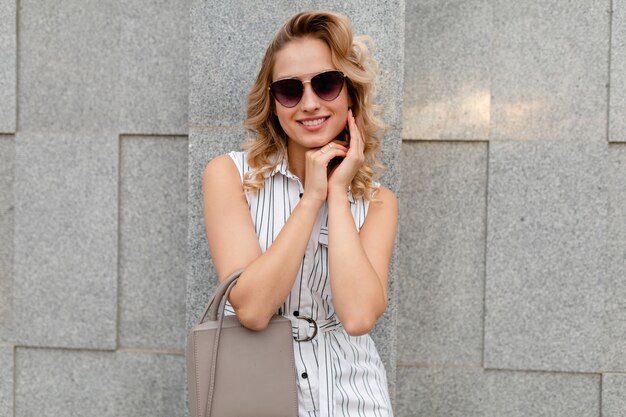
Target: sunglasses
[[327, 85]]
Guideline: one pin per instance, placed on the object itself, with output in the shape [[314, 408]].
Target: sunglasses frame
[[304, 82]]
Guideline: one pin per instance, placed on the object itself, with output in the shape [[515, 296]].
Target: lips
[[313, 122]]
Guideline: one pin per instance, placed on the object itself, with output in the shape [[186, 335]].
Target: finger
[[356, 142], [325, 153], [332, 145], [328, 155], [339, 145]]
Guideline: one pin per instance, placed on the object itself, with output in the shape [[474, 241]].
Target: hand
[[316, 169], [341, 177]]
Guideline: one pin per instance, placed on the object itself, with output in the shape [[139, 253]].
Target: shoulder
[[384, 199], [225, 162], [222, 171], [385, 195], [383, 210]]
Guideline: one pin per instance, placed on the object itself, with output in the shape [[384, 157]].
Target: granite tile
[[447, 71], [153, 242], [8, 65], [69, 65], [469, 392], [549, 70], [613, 395], [615, 348], [546, 256], [539, 394], [432, 392], [154, 66], [617, 106], [6, 380], [442, 253], [66, 199], [76, 383], [64, 383], [7, 166], [150, 385]]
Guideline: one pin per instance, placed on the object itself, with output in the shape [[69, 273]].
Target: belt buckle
[[308, 338]]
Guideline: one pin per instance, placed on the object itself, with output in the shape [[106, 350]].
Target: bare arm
[[359, 261], [269, 276]]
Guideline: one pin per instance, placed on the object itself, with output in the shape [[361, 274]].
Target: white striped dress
[[338, 374]]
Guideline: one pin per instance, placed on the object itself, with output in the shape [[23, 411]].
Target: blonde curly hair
[[267, 142]]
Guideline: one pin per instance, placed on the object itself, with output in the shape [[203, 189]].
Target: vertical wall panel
[[154, 69], [69, 65], [66, 197], [546, 256], [447, 91], [153, 236], [442, 253], [550, 70], [8, 69]]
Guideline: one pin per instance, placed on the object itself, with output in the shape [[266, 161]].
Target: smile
[[313, 122]]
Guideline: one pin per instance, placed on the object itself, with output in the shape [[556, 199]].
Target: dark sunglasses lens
[[327, 85], [287, 92]]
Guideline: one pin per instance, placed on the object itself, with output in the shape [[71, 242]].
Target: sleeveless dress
[[337, 374]]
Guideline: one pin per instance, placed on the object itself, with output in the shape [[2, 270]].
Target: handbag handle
[[217, 303], [222, 290], [215, 306]]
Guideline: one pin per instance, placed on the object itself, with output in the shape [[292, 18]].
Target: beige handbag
[[236, 372]]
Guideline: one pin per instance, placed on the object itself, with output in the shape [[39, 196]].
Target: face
[[313, 122]]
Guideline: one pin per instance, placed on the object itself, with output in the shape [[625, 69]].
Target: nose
[[310, 100]]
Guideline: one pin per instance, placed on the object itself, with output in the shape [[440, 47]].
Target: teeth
[[313, 122]]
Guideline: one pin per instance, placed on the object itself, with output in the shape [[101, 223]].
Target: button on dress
[[337, 374]]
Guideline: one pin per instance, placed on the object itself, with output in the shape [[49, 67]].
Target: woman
[[301, 212]]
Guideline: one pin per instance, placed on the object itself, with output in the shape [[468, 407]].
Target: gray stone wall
[[505, 148], [512, 250], [93, 207]]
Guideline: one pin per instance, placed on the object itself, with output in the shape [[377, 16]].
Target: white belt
[[319, 328]]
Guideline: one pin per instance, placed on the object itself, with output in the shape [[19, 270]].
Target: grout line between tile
[[14, 393], [119, 241], [608, 85], [600, 394], [486, 229], [17, 63], [155, 135]]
